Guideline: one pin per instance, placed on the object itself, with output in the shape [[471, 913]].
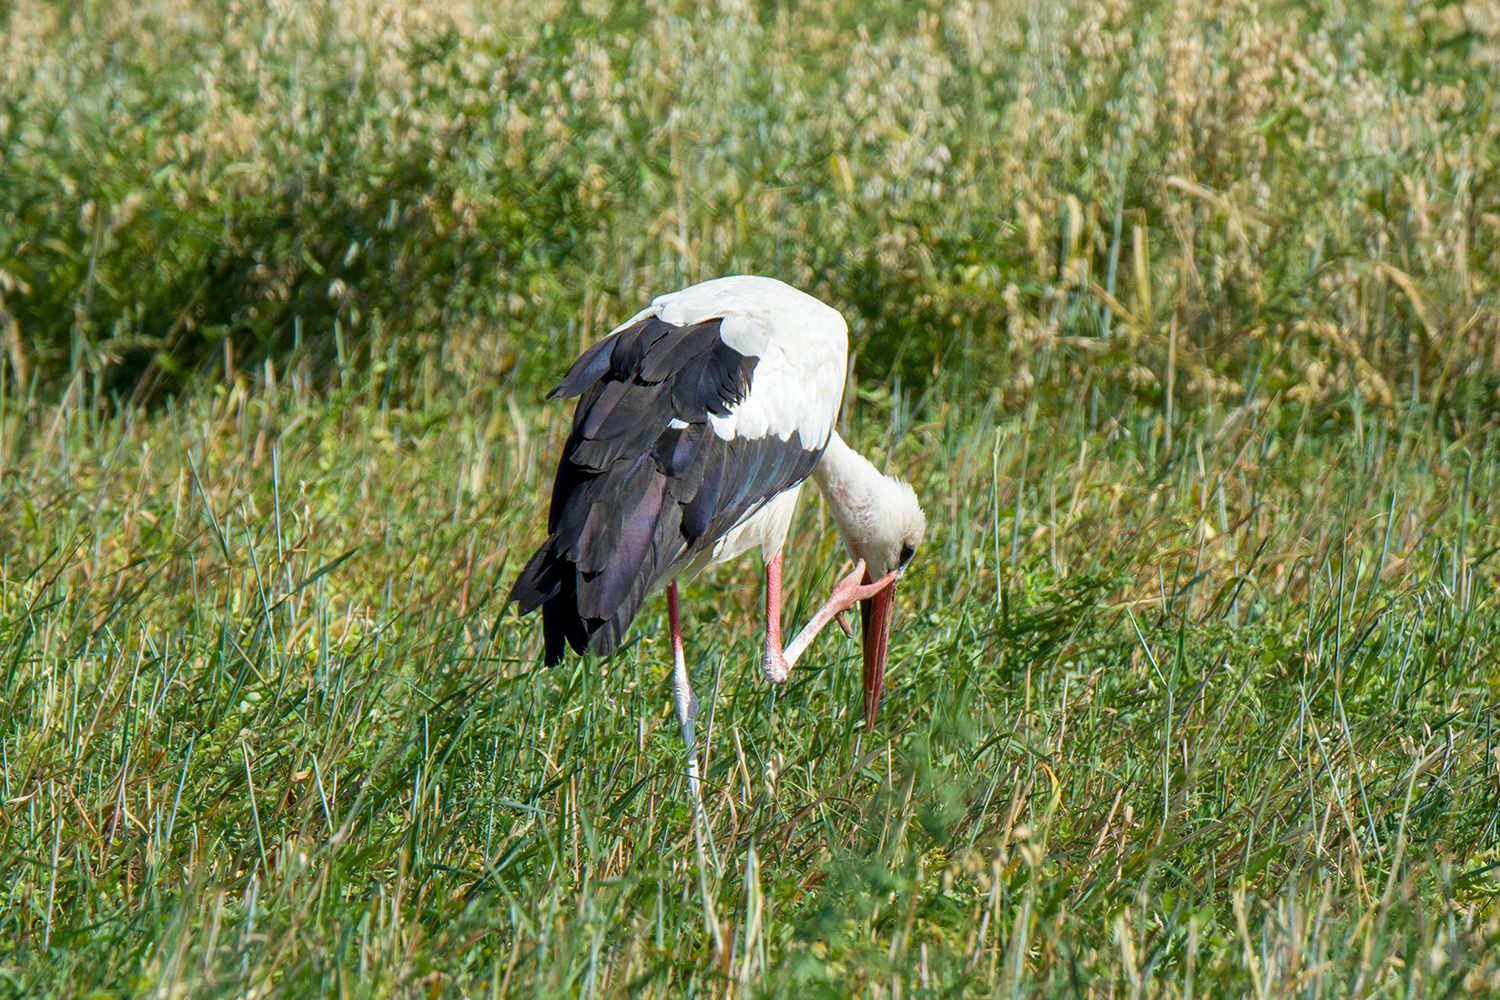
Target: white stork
[[698, 420]]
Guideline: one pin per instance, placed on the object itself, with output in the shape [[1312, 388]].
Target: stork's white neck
[[875, 514], [844, 475]]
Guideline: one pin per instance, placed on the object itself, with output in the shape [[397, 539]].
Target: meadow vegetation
[[1182, 318]]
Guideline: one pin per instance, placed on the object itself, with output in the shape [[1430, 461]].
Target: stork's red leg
[[675, 622], [846, 594], [683, 699], [774, 666]]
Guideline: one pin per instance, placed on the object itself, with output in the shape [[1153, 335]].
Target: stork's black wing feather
[[636, 497]]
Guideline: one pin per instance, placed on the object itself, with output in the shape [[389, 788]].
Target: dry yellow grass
[[1311, 193]]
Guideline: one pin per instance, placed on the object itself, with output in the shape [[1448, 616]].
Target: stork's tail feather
[[562, 627], [550, 582], [539, 582]]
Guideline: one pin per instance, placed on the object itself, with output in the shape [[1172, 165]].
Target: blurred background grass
[[1305, 190], [1181, 318]]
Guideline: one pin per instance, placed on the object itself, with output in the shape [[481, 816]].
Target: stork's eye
[[907, 551]]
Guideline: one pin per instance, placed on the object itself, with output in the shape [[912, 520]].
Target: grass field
[[1182, 320]]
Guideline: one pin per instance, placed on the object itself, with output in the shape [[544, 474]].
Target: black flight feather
[[591, 364]]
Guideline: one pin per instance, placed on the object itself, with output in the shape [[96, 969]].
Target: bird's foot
[[852, 589]]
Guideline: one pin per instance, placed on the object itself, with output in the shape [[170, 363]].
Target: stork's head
[[880, 521], [887, 529]]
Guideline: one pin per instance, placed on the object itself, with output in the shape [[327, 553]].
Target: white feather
[[802, 345]]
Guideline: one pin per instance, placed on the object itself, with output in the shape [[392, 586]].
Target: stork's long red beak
[[875, 616]]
